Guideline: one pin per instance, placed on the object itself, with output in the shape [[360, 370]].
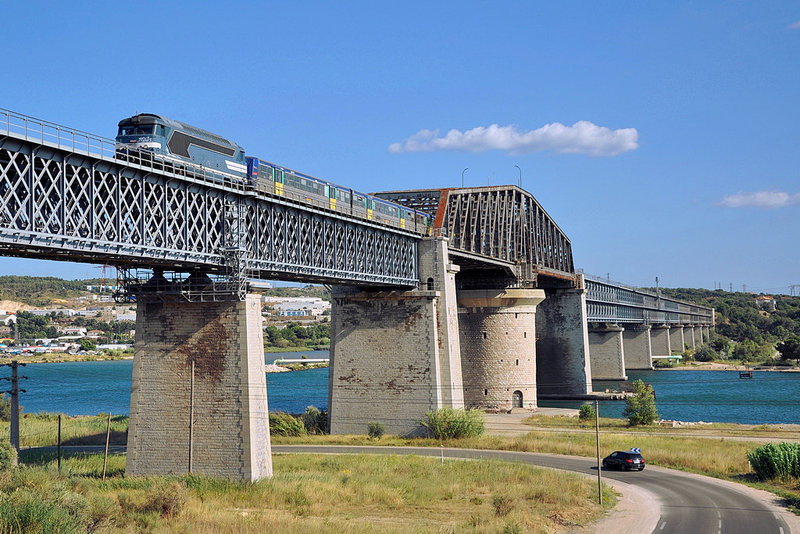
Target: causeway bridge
[[488, 311]]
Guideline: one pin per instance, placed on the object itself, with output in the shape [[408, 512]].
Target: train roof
[[152, 118]]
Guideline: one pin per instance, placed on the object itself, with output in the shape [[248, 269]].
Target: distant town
[[90, 322]]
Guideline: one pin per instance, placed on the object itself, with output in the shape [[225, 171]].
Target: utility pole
[[14, 392], [597, 438]]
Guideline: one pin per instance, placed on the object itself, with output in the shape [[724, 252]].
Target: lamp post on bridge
[[462, 175], [520, 175]]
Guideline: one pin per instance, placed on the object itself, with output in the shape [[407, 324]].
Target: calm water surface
[[88, 388], [718, 396], [79, 388]]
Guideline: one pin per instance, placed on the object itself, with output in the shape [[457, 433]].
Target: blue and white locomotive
[[180, 143], [175, 146]]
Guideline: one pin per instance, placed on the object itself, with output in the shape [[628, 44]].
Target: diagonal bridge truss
[[64, 195]]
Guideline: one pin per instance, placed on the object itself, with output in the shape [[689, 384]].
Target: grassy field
[[308, 493], [380, 494]]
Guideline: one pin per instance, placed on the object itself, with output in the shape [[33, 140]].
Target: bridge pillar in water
[[395, 355], [562, 343], [607, 353], [660, 340], [497, 329], [677, 342], [637, 346], [230, 430]]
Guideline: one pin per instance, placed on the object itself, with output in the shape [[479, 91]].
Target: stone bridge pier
[[395, 355], [607, 352], [199, 390], [497, 330], [562, 343], [638, 347]]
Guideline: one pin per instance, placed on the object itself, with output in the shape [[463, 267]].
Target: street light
[[520, 176], [462, 175]]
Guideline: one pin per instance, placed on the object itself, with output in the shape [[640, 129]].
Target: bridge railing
[[609, 301], [79, 142]]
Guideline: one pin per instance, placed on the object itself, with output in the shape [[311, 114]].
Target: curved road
[[689, 503]]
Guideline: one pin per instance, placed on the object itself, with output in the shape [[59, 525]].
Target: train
[[174, 145]]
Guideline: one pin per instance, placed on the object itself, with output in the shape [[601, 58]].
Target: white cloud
[[760, 199], [794, 25], [583, 137]]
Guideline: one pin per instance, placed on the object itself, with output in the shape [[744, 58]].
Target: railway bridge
[[488, 311]]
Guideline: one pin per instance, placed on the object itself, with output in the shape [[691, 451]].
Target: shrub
[[8, 456], [586, 413], [502, 505], [781, 460], [376, 430], [284, 424], [640, 408], [27, 511], [448, 423], [315, 421], [165, 500], [706, 354], [664, 364]]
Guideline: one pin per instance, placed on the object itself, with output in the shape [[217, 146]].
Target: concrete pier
[[660, 340], [498, 347], [689, 336], [637, 346], [676, 340], [607, 353], [230, 430], [562, 344]]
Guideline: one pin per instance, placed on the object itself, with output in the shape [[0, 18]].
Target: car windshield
[[140, 129]]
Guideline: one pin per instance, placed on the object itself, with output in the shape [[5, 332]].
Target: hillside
[[41, 290], [755, 329]]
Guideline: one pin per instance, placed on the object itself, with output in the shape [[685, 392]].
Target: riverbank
[[272, 350], [57, 357], [726, 366]]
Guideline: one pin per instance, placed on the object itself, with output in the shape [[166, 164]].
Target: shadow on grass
[[117, 437]]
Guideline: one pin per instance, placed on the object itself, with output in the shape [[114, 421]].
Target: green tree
[[705, 354], [640, 408], [87, 344], [790, 349]]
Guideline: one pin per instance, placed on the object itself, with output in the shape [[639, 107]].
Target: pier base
[[607, 353], [498, 347], [228, 392], [562, 343], [659, 337], [676, 340], [395, 355], [638, 348]]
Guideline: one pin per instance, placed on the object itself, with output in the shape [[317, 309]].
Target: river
[[81, 388]]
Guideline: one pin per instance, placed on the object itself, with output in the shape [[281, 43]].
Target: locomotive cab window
[[140, 129]]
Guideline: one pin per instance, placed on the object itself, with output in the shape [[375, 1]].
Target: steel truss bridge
[[612, 302], [498, 226], [65, 195]]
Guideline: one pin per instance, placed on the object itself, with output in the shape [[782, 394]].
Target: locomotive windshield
[[139, 129]]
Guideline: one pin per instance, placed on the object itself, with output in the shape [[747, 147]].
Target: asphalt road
[[689, 503]]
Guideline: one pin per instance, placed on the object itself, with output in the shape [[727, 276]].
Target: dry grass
[[337, 494]]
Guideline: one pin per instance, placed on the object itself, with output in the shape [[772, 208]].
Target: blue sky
[[661, 136]]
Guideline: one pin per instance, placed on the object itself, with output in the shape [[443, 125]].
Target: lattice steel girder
[[63, 205], [614, 303], [500, 223]]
